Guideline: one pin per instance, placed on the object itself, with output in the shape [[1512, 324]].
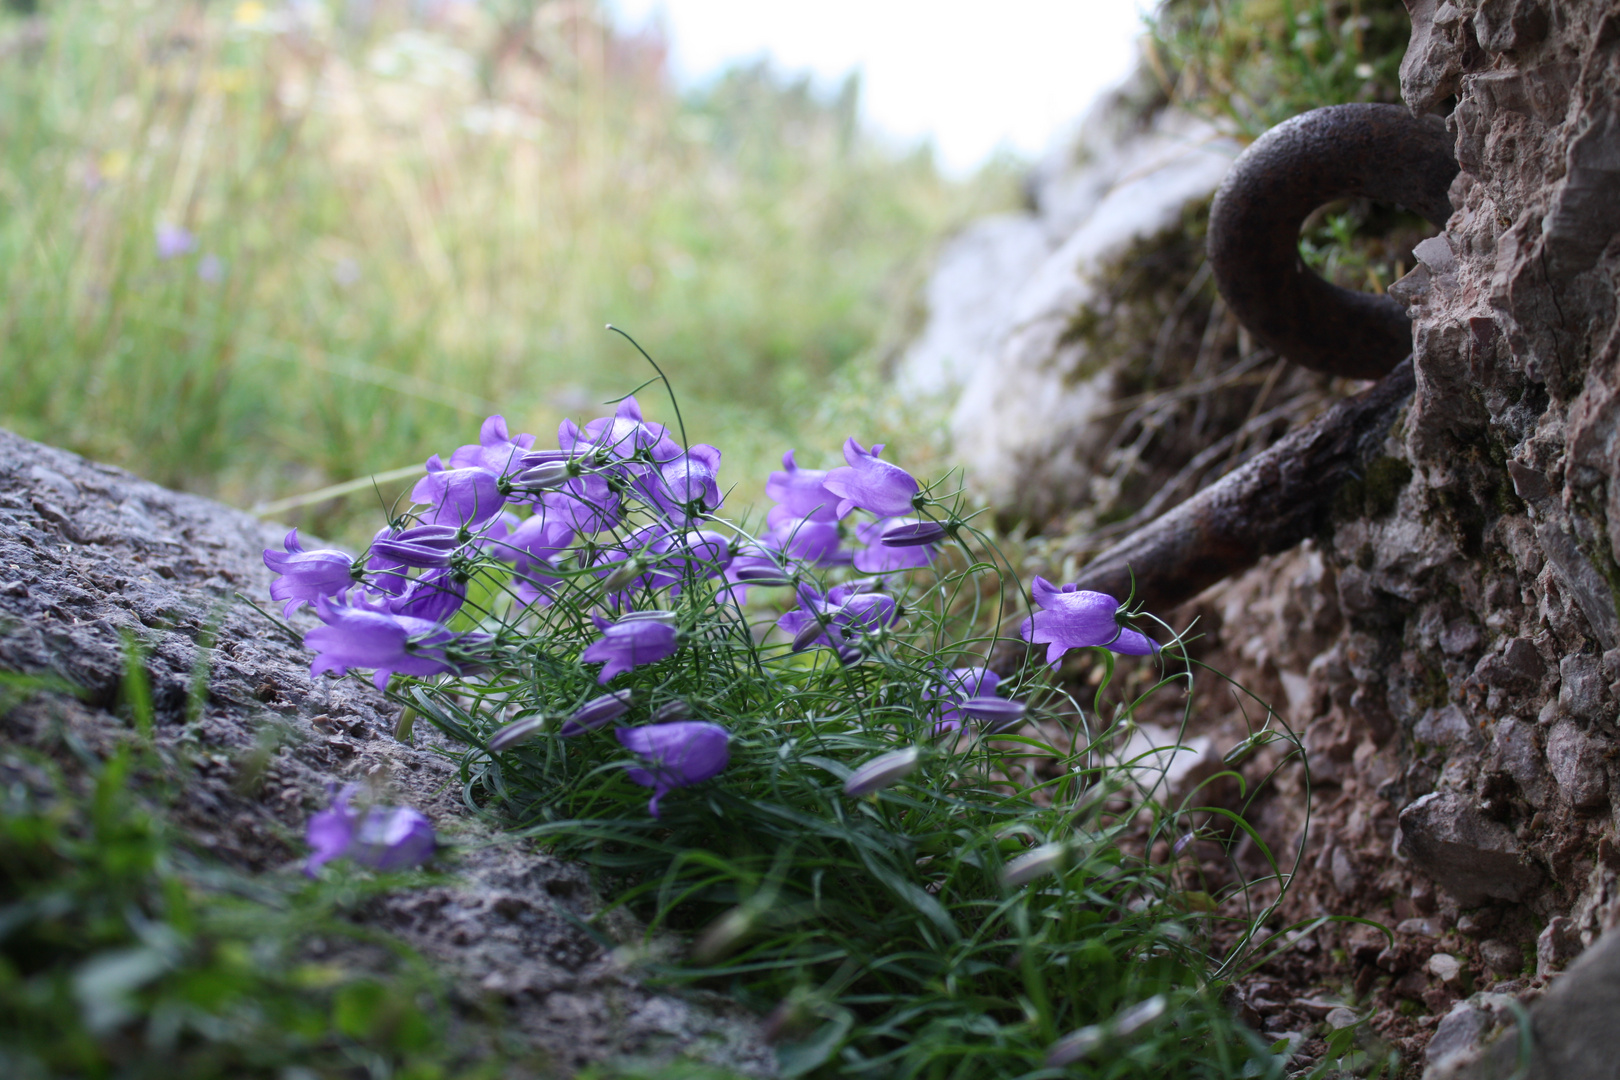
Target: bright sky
[[974, 77]]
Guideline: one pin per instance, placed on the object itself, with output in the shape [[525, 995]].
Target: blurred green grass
[[402, 227]]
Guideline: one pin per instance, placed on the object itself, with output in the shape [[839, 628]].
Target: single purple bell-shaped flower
[[383, 838], [463, 496], [496, 451], [597, 712], [622, 435], [686, 486], [953, 687], [676, 755], [839, 619], [306, 576], [642, 637], [357, 636], [802, 492], [1074, 618], [875, 486], [806, 539], [434, 597]]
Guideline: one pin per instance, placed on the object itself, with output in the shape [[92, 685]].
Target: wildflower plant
[[874, 807]]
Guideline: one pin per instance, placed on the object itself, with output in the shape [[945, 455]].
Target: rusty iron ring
[[1285, 494], [1379, 152]]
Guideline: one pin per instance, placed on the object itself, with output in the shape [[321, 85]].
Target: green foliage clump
[[124, 954], [1255, 63]]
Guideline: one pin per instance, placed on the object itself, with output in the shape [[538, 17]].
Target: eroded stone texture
[[90, 554]]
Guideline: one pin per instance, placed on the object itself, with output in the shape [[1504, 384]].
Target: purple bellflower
[[875, 486], [839, 618], [587, 503], [533, 546], [383, 838], [676, 755], [641, 637], [881, 772], [752, 564], [881, 557], [802, 492], [434, 597], [463, 496], [359, 636], [1074, 618], [685, 487], [496, 451], [211, 269], [173, 240], [803, 538], [307, 575], [596, 712], [621, 435], [701, 552], [954, 687]]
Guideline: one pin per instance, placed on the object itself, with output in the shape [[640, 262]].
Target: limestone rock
[[93, 554], [1470, 856], [1573, 1033]]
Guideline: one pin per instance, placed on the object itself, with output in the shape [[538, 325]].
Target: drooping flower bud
[[596, 712], [882, 771], [519, 730]]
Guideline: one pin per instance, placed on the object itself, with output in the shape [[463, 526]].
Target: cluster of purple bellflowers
[[620, 518]]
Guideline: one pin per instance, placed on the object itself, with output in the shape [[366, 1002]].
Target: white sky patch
[[973, 77]]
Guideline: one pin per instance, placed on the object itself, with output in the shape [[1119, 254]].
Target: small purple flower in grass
[[496, 451], [880, 556], [520, 730], [752, 565], [211, 268], [641, 637], [596, 712], [383, 838], [676, 755], [173, 241], [464, 496], [362, 637], [802, 492], [998, 714], [803, 538], [1073, 618], [838, 619], [434, 597], [956, 686], [875, 486], [881, 772], [587, 503], [307, 575]]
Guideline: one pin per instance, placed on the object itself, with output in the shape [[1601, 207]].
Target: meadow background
[[253, 250]]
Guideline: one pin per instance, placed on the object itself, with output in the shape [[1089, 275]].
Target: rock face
[[1450, 648], [90, 554], [1027, 322]]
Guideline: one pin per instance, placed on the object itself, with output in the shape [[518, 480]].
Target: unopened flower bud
[[596, 712], [762, 575], [551, 474], [524, 727], [671, 711], [1046, 859], [648, 616], [913, 534], [882, 771], [998, 714], [624, 575]]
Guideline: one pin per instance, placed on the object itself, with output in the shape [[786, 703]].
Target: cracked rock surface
[[90, 554]]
